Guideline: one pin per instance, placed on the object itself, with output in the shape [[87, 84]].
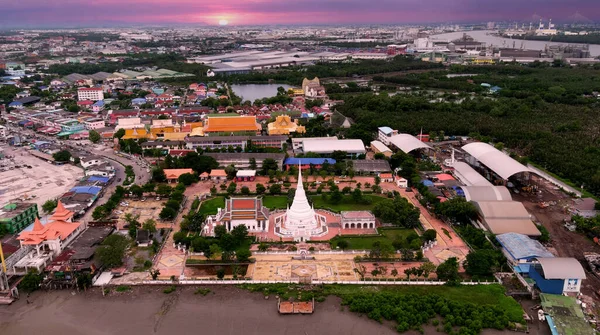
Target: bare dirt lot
[[564, 243], [42, 182], [147, 209]]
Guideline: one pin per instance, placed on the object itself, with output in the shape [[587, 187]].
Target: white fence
[[313, 282]]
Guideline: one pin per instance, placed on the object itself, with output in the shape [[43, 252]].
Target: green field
[[209, 207], [366, 242]]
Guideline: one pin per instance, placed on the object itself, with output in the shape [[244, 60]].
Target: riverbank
[[147, 310]]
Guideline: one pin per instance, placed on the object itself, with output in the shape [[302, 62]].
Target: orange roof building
[[283, 125], [48, 240], [174, 174], [227, 125], [249, 212]]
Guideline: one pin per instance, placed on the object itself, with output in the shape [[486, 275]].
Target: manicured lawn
[[366, 242], [275, 202], [209, 207]]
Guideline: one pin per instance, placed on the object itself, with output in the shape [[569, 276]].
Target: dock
[[302, 307]]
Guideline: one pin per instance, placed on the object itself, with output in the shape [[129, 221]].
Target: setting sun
[[223, 22]]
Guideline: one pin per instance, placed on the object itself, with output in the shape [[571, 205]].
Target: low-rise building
[[245, 175], [379, 147], [352, 147], [17, 216], [307, 163], [242, 160], [384, 134], [93, 123], [174, 174], [358, 220], [90, 93]]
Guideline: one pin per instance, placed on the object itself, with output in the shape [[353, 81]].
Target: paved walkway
[[171, 261], [449, 244]]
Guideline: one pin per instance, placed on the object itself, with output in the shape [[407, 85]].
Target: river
[[482, 36], [147, 310], [257, 91]]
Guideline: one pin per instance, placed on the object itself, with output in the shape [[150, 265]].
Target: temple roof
[[61, 213]]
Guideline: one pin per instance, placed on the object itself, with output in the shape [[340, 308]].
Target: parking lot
[[32, 179]]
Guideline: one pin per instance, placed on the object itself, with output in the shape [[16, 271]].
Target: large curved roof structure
[[486, 193], [561, 268], [408, 143], [495, 160]]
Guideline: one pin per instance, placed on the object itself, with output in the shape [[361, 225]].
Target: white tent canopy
[[408, 143], [494, 159]]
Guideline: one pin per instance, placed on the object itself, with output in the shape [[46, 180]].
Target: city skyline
[[36, 13]]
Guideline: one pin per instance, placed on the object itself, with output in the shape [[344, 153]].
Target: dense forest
[[542, 113]]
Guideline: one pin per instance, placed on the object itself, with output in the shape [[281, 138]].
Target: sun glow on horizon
[[223, 22]]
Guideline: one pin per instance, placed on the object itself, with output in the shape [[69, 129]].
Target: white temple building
[[300, 221]]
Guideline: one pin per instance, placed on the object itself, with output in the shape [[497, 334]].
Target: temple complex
[[300, 221], [283, 125]]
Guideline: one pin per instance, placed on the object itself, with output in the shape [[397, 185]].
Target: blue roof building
[[386, 130], [86, 189], [519, 248], [138, 101], [307, 162], [15, 104]]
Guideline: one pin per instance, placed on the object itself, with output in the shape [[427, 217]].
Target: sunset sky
[[249, 12]]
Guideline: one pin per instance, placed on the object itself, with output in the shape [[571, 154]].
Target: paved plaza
[[323, 267]]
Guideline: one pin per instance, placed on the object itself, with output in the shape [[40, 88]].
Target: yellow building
[[484, 61], [283, 125], [296, 91], [138, 133]]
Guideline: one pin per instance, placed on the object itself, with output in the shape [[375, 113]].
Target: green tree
[[427, 267], [252, 163], [239, 233], [343, 244], [167, 213], [448, 270], [119, 133], [164, 190], [429, 235], [269, 164], [158, 175], [483, 262], [99, 213], [457, 210], [275, 189], [260, 189], [215, 251], [136, 190], [112, 250], [231, 171], [245, 190], [231, 188], [187, 179], [62, 156], [243, 255], [31, 281], [149, 225], [94, 136], [49, 205]]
